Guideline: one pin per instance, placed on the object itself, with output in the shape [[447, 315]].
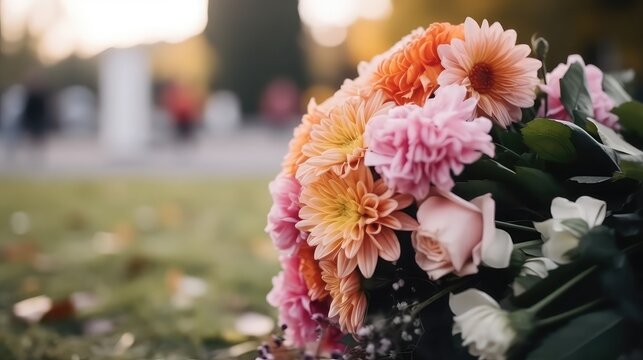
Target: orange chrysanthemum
[[353, 218], [301, 137], [410, 75], [348, 299], [310, 270], [337, 142]]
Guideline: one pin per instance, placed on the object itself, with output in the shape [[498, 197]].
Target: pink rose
[[455, 236], [284, 213], [601, 102]]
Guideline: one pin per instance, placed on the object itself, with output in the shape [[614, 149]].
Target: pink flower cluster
[[284, 213], [414, 147], [289, 294], [601, 102]]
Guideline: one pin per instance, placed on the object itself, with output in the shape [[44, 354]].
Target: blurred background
[[138, 137]]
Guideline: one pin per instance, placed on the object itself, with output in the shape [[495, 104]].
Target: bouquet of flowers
[[457, 200]]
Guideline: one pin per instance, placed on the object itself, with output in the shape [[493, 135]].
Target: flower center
[[481, 77]]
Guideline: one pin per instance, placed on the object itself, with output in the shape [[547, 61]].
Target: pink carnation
[[413, 147], [289, 295], [601, 102], [284, 214]]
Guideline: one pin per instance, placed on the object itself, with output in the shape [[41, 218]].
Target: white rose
[[569, 222], [485, 327], [539, 266]]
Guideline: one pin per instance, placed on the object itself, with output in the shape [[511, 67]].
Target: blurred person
[[34, 121], [183, 105], [279, 104]]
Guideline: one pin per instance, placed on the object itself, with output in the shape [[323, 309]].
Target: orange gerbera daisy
[[301, 137], [310, 270], [337, 142], [495, 70], [354, 218], [348, 299], [410, 75]]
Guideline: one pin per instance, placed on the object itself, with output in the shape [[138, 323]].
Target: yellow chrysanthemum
[[337, 142], [352, 219], [301, 137]]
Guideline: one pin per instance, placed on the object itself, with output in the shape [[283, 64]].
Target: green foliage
[[615, 90], [574, 94], [549, 139], [597, 335], [630, 116]]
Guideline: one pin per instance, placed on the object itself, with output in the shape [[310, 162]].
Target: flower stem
[[568, 314], [508, 150], [556, 293], [527, 244], [419, 307], [514, 226]]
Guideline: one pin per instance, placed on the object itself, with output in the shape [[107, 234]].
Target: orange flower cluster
[[411, 74]]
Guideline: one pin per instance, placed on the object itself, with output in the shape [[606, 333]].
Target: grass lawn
[[136, 268]]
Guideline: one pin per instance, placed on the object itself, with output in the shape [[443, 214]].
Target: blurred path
[[250, 151]]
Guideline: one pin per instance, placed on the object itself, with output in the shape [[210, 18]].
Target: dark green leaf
[[551, 140], [488, 169], [598, 245], [574, 94], [578, 227], [615, 90], [538, 184], [526, 282], [590, 179], [631, 170], [597, 335], [512, 141], [630, 116], [474, 188], [596, 158], [533, 250]]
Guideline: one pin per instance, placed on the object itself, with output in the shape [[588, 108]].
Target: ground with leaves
[[136, 268]]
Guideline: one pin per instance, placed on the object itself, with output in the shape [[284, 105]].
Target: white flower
[[485, 327], [538, 266], [570, 221]]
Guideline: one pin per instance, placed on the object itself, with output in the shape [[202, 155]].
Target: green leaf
[[630, 169], [526, 282], [597, 159], [590, 179], [630, 116], [597, 335], [488, 169], [539, 185], [551, 140], [615, 90], [474, 188], [574, 94], [578, 227], [598, 245]]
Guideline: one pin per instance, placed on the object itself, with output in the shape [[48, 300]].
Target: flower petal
[[497, 253], [559, 245], [562, 208], [592, 209], [468, 299]]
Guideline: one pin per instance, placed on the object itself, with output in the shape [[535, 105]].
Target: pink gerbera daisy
[[495, 70]]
